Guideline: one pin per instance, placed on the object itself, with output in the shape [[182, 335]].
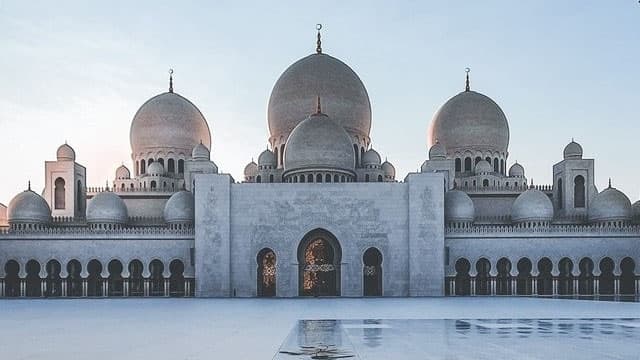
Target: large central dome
[[470, 121], [168, 122], [344, 97]]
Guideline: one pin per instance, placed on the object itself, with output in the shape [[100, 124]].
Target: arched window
[[258, 179], [361, 155], [267, 271], [153, 184], [74, 279], [342, 178], [53, 282], [176, 279], [319, 178], [275, 153], [372, 272], [356, 153], [467, 164], [143, 167], [458, 165], [180, 166], [94, 280], [161, 161], [578, 192], [560, 194], [502, 167], [137, 169], [79, 197], [488, 159], [327, 178], [478, 159], [282, 154], [136, 281], [171, 166], [336, 178], [483, 279], [585, 279], [496, 165], [503, 280], [628, 278], [149, 162], [122, 186], [59, 194], [523, 281], [12, 279], [379, 178], [463, 280], [545, 279], [271, 178], [366, 177], [606, 278], [485, 183], [310, 178], [33, 279], [565, 279], [156, 279], [115, 280]]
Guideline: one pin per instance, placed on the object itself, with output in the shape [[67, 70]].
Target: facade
[[320, 213]]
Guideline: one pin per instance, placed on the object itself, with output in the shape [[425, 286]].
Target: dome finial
[[609, 183], [319, 41], [318, 107], [170, 80], [467, 87], [29, 185]]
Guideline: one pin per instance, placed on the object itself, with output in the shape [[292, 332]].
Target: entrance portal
[[319, 256]]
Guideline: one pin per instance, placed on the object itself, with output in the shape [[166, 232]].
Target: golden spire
[[467, 87], [319, 41]]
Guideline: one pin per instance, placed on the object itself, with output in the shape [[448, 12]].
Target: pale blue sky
[[78, 71]]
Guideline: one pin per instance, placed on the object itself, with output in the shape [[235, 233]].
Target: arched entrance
[[319, 256], [266, 282], [372, 272]]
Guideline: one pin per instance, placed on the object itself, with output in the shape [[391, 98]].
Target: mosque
[[320, 213]]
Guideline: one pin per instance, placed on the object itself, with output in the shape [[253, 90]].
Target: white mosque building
[[320, 213]]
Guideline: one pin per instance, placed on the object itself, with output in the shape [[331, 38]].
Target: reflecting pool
[[464, 339]]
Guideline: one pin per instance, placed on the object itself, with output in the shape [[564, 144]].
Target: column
[[596, 287], [1, 288], [187, 287], [85, 288], [105, 288], [534, 286], [125, 287], [43, 287], [492, 285], [555, 286], [64, 287], [575, 288], [146, 287], [23, 288], [616, 287], [514, 286], [473, 286], [166, 287]]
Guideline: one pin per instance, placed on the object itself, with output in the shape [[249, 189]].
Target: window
[[485, 183], [161, 161], [275, 153], [336, 178], [478, 159], [180, 166], [560, 194], [327, 178], [171, 166], [458, 165], [319, 178], [271, 178], [355, 153], [153, 184], [579, 192], [143, 168], [379, 178], [496, 165], [467, 164], [59, 194], [310, 178], [258, 179], [366, 178], [502, 167]]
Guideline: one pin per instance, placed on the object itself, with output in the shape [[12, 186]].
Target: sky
[[77, 71]]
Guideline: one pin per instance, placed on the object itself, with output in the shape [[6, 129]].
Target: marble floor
[[206, 329]]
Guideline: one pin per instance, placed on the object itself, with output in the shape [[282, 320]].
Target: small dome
[[107, 208], [343, 94], [635, 211], [28, 208], [267, 158], [66, 153], [437, 151], [251, 169], [458, 207], [573, 151], [155, 169], [371, 157], [532, 205], [179, 209], [483, 167], [470, 120], [388, 169], [516, 170], [319, 142], [123, 173], [200, 152], [610, 205]]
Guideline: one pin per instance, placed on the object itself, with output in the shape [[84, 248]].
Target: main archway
[[319, 257]]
